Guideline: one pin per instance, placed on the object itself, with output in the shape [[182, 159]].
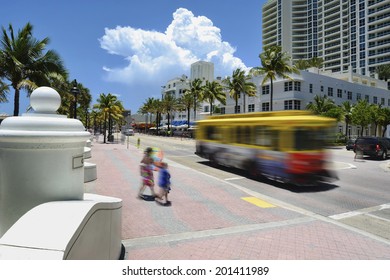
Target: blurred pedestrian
[[146, 168], [164, 182]]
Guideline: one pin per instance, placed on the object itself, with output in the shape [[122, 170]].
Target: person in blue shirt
[[164, 182]]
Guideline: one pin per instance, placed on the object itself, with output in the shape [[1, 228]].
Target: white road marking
[[234, 178]]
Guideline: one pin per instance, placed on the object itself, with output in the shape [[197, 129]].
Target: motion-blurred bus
[[287, 146]]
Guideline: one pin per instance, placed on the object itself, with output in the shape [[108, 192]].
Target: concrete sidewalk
[[215, 219]]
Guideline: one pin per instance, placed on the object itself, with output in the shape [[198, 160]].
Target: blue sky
[[132, 48]]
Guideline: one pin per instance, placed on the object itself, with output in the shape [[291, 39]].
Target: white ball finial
[[45, 100]]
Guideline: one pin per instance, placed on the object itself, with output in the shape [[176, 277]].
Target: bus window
[[242, 135], [264, 136], [226, 136], [238, 135], [309, 139], [212, 133], [246, 135], [286, 140]]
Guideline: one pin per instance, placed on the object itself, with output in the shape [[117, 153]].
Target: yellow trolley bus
[[287, 146]]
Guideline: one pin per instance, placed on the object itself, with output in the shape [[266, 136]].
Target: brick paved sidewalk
[[209, 219]]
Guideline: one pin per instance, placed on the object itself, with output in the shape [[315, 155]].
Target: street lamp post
[[75, 92]]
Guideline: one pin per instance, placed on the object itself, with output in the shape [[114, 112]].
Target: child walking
[[147, 173], [164, 182]]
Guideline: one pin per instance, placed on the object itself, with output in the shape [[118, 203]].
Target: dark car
[[378, 147], [350, 144]]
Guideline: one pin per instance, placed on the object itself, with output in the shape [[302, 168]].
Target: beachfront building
[[347, 33], [293, 94], [199, 70], [296, 94]]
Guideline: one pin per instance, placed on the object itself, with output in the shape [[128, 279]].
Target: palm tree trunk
[[236, 109], [271, 97], [158, 122], [194, 107], [244, 104], [188, 118], [169, 124], [16, 101], [104, 128]]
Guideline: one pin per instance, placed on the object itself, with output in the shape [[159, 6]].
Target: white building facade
[[293, 94], [296, 94]]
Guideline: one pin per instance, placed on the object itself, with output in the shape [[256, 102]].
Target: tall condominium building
[[345, 33]]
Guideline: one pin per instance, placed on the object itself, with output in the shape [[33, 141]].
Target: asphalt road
[[360, 198]]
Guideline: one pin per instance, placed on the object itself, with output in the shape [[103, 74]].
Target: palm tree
[[321, 105], [24, 62], [361, 114], [213, 91], [95, 118], [110, 108], [187, 100], [239, 83], [196, 91], [4, 88], [148, 109], [346, 109], [384, 119], [274, 63], [383, 71], [84, 99], [316, 62], [157, 109], [301, 64], [169, 104], [375, 113]]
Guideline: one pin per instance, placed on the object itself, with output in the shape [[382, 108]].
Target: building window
[[349, 95], [358, 96], [265, 89], [265, 106], [251, 107], [367, 98], [382, 101], [375, 100], [288, 86], [311, 88], [322, 88], [339, 93], [223, 111], [237, 109], [206, 109], [292, 105], [297, 86], [330, 91]]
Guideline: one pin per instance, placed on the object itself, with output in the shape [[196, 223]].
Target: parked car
[[378, 147], [350, 144], [128, 132]]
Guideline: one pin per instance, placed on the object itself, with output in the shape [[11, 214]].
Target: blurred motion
[[157, 155], [287, 146]]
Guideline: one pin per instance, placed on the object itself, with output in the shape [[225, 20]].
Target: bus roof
[[284, 118], [262, 114]]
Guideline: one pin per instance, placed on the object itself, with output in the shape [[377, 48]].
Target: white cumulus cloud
[[156, 57]]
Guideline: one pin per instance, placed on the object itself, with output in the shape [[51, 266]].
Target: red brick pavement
[[209, 220]]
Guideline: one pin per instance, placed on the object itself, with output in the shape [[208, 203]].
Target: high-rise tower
[[345, 33]]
